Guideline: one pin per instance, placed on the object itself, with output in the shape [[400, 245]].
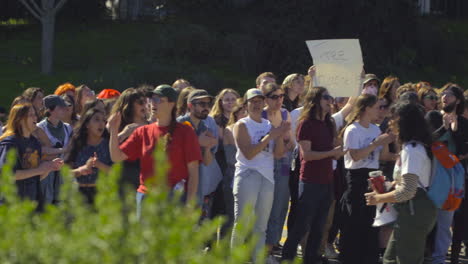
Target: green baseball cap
[[165, 90]]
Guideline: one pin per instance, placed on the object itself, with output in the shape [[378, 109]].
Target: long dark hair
[[312, 108], [172, 125], [71, 100], [124, 105], [411, 124], [80, 134]]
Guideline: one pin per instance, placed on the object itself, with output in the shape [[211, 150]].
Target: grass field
[[115, 55]]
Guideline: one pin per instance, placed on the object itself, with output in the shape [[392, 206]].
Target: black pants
[[312, 212], [294, 193], [89, 194], [359, 241]]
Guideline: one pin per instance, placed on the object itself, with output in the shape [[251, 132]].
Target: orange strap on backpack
[[443, 155]]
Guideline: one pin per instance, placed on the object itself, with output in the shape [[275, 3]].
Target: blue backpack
[[447, 186]]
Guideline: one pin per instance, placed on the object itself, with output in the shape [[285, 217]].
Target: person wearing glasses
[[453, 132], [199, 104], [316, 136], [273, 112], [428, 99], [258, 144], [132, 105]]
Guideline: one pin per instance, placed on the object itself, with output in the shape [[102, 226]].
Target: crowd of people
[[289, 151]]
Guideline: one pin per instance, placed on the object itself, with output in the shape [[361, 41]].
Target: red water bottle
[[377, 180]]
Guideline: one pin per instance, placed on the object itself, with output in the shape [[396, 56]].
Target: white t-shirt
[[294, 117], [339, 120], [413, 160], [263, 162], [359, 137]]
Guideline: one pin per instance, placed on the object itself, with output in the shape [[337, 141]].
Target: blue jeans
[[443, 237], [140, 196], [251, 187], [280, 202], [312, 212]]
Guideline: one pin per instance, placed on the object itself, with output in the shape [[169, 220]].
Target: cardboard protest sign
[[339, 65]]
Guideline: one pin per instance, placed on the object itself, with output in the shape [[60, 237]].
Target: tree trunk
[[47, 49]]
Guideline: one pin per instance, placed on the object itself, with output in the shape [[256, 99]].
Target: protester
[[70, 116], [274, 96], [35, 96], [293, 86], [416, 213], [28, 169], [452, 111], [90, 152], [258, 144], [66, 88], [388, 89], [428, 99], [59, 135], [132, 106], [199, 103], [182, 100], [316, 136], [83, 95], [95, 103], [223, 106], [364, 142], [370, 84], [180, 141], [180, 84], [108, 94], [264, 79]]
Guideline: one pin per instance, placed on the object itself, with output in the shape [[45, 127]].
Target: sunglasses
[[203, 104], [431, 97], [447, 94], [276, 96], [327, 97]]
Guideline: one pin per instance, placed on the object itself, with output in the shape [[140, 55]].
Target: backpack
[[446, 188]]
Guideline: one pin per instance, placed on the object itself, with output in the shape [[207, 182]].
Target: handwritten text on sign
[[339, 65]]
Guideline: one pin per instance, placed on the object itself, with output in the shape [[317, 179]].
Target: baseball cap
[[165, 90], [198, 94], [54, 100], [254, 92], [369, 77]]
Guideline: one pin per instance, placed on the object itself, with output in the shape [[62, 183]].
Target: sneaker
[[330, 252], [272, 260]]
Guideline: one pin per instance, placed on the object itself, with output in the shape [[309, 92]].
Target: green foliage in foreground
[[111, 233]]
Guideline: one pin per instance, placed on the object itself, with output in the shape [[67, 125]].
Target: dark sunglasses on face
[[156, 99], [327, 97], [431, 97], [276, 96], [203, 104]]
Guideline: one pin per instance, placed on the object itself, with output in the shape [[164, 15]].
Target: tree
[[45, 12]]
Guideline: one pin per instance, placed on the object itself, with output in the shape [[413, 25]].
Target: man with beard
[[199, 104], [455, 133]]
